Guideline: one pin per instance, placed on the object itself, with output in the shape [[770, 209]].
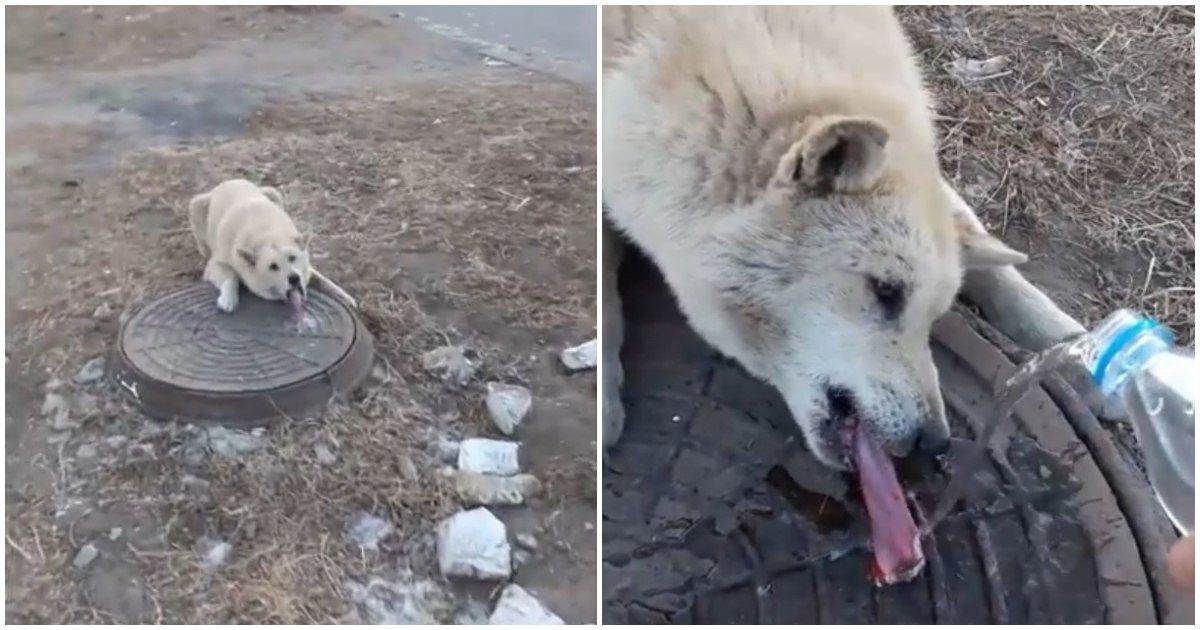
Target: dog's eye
[[291, 258], [273, 267], [889, 294]]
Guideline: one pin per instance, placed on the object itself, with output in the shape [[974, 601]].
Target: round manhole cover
[[715, 512], [181, 357]]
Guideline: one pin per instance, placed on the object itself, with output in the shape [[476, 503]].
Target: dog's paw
[[227, 301]]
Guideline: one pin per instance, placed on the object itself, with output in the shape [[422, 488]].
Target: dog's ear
[[247, 256], [979, 249], [836, 154], [272, 194]]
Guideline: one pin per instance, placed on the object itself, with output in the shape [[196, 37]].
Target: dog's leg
[[1029, 317], [614, 333], [226, 280], [333, 288], [198, 216]]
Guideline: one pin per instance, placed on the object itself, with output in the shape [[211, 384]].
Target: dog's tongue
[[894, 536], [296, 300]]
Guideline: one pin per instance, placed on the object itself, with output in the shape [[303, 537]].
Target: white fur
[[773, 161], [250, 240]]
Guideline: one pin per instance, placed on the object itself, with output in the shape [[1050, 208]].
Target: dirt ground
[[1078, 149], [454, 199]]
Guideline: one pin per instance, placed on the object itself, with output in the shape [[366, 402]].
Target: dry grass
[[482, 174], [1082, 151]]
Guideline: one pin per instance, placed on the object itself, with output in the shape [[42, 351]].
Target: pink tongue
[[894, 536], [297, 301]]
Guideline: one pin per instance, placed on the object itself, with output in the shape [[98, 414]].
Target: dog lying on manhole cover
[[780, 166]]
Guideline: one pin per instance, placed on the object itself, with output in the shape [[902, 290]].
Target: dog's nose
[[294, 279]]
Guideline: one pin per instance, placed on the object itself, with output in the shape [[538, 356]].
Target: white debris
[[508, 405], [367, 530], [476, 489], [495, 63], [325, 457], [55, 408], [976, 70], [86, 451], [447, 450], [86, 555], [403, 600], [489, 457], [518, 607], [213, 552], [474, 544], [91, 371], [581, 357], [451, 363], [527, 540], [104, 311], [231, 442], [115, 533]]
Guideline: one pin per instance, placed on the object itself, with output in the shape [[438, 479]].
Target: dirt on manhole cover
[[180, 357], [715, 512]]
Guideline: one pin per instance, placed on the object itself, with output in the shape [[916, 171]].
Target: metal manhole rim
[[163, 400]]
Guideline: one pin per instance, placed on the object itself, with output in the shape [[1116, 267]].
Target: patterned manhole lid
[[181, 357]]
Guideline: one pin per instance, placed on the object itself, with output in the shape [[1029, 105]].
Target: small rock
[[213, 552], [447, 450], [476, 489], [527, 540], [521, 557], [489, 457], [518, 607], [102, 312], [403, 600], [508, 405], [91, 371], [408, 470], [974, 69], [325, 457], [367, 530], [474, 544], [85, 556], [55, 408], [115, 441], [86, 451], [231, 442], [392, 182], [581, 357], [115, 533], [451, 363]]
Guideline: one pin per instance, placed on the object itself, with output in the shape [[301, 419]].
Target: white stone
[[474, 544], [86, 555], [581, 357], [213, 552], [518, 607], [451, 363], [91, 371], [367, 530], [476, 489], [489, 457], [508, 405], [527, 540], [325, 457]]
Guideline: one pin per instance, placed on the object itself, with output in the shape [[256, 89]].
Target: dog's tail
[[198, 216]]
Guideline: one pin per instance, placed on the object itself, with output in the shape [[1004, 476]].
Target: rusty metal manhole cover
[[180, 357], [710, 513]]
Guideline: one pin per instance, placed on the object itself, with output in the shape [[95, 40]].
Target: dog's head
[[833, 278], [273, 266]]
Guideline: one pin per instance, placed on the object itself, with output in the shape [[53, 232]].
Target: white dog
[[779, 166], [249, 240]]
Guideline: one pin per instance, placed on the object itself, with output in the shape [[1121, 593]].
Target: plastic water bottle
[[1134, 357]]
